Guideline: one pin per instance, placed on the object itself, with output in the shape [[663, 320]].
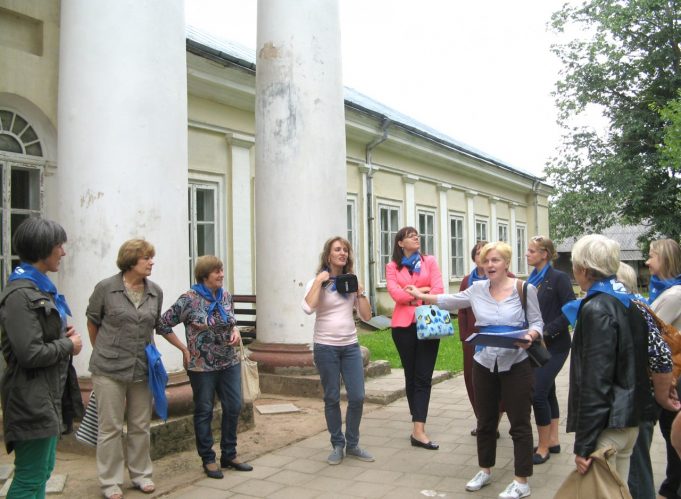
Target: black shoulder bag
[[537, 351]]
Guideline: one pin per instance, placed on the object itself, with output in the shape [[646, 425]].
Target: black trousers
[[418, 360], [672, 482]]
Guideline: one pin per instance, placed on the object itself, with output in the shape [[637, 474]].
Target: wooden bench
[[244, 310]]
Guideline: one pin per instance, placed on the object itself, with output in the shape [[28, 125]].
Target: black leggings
[[418, 360], [545, 402]]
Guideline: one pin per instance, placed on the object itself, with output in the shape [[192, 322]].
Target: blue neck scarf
[[214, 300], [475, 277], [536, 278], [30, 273], [413, 263], [659, 286], [610, 286]]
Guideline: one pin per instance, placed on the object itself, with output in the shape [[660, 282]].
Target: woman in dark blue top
[[554, 290]]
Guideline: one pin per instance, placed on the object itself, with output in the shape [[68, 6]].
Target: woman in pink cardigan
[[409, 267]]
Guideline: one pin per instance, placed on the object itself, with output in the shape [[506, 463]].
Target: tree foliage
[[626, 62]]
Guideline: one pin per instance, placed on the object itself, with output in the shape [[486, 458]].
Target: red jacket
[[403, 314]]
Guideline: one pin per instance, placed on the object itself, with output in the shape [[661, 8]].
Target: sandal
[[146, 487], [117, 494]]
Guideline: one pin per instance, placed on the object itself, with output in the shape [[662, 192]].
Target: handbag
[[250, 379], [89, 428], [346, 283], [433, 323], [158, 379], [537, 352]]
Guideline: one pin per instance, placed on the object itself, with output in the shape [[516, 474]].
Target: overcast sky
[[480, 72]]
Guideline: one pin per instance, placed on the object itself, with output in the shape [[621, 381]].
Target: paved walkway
[[400, 471]]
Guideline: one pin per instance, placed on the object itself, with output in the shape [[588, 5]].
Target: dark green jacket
[[36, 351]]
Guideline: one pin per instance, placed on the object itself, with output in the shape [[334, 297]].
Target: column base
[[283, 358]]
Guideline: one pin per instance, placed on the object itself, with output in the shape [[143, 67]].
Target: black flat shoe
[[230, 463], [423, 445], [554, 449], [216, 473], [539, 459]]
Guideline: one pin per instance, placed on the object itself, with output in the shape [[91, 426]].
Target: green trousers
[[33, 465]]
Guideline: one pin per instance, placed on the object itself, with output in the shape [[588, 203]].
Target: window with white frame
[[481, 230], [203, 206], [389, 224], [457, 256], [21, 181], [426, 228], [502, 231], [521, 248], [351, 218]]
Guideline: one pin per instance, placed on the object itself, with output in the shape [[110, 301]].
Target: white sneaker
[[479, 481], [516, 490]]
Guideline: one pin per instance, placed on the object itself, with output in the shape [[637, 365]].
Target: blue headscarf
[[659, 286], [536, 278], [475, 277], [609, 285], [30, 273], [413, 263], [214, 300]]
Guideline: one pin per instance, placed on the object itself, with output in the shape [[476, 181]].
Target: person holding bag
[[37, 345], [336, 347], [409, 267], [211, 360], [554, 290], [499, 374]]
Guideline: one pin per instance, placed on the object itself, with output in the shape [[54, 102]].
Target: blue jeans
[[227, 384], [333, 363], [641, 482]]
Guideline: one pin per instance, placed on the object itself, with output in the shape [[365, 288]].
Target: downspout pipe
[[535, 191], [370, 207]]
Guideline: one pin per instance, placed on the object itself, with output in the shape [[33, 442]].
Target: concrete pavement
[[300, 470]]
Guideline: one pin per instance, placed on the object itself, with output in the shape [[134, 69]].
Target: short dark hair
[[478, 246], [35, 238], [398, 252]]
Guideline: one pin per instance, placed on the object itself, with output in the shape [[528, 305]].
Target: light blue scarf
[[413, 263], [536, 278], [214, 300], [30, 273], [609, 286], [659, 286]]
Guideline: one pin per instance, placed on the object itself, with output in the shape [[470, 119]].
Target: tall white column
[[122, 160], [242, 215], [444, 233], [410, 199], [300, 163], [470, 219]]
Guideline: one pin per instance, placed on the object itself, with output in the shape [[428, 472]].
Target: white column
[[444, 233], [242, 214], [470, 219], [300, 158], [410, 199], [122, 160], [493, 230], [364, 222], [513, 237]]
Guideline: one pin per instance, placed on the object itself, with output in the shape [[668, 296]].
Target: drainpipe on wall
[[535, 190], [370, 208]]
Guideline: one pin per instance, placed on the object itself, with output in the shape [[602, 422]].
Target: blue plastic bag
[[158, 379]]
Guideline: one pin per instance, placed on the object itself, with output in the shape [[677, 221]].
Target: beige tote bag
[[250, 380]]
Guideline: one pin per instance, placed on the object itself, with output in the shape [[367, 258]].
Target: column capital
[[494, 199], [409, 179], [240, 139], [443, 187], [363, 168], [471, 194]]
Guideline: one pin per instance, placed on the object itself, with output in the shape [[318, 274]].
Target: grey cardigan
[[124, 330], [36, 350]]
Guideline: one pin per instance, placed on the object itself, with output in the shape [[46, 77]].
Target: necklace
[[132, 286]]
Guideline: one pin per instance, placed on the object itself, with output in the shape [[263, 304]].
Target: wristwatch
[[363, 293]]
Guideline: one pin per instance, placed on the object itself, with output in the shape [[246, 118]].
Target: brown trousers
[[514, 389]]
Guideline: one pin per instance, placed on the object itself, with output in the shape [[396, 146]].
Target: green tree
[[626, 62]]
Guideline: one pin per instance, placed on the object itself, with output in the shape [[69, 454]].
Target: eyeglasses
[[412, 236]]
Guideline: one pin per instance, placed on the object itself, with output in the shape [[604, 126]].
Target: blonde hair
[[596, 254], [204, 266], [669, 254], [503, 248], [326, 253], [627, 276], [544, 243], [131, 251]]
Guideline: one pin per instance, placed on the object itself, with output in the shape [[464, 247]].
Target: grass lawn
[[380, 344]]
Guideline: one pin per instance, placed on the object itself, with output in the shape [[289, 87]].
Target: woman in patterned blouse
[[211, 360]]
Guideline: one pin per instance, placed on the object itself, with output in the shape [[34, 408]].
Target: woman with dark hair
[[211, 360], [122, 313], [409, 267], [336, 348], [37, 345], [554, 290], [664, 263]]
